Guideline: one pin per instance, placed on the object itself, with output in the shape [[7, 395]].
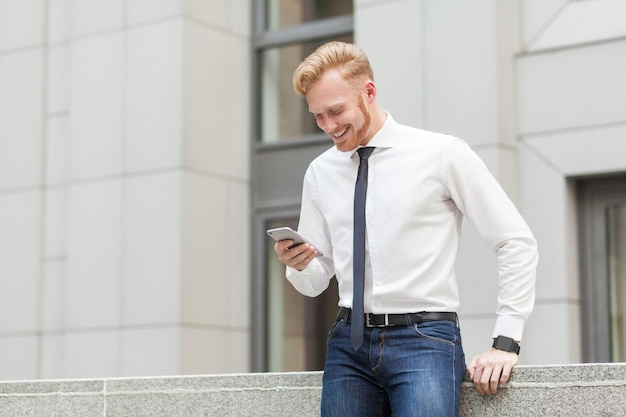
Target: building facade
[[145, 146]]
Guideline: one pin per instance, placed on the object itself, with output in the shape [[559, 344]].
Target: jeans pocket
[[438, 331], [333, 329]]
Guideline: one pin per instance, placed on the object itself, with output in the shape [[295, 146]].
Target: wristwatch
[[506, 344]]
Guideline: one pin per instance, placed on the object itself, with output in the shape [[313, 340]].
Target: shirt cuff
[[302, 280], [509, 326]]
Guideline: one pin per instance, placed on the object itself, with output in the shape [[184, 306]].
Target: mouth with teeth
[[338, 135]]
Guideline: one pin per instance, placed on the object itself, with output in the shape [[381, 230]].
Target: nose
[[327, 124]]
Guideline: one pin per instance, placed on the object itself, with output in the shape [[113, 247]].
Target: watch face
[[505, 343]]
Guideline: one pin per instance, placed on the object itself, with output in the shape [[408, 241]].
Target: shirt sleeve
[[311, 281], [315, 278], [494, 216]]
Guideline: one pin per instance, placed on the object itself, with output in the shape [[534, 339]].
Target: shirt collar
[[385, 137]]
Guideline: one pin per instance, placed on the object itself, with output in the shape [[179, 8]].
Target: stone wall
[[569, 390]]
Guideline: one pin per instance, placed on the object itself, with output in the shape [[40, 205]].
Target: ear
[[370, 90]]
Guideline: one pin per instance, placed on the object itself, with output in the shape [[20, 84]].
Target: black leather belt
[[390, 320]]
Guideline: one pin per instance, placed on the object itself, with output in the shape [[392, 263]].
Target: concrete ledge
[[565, 390], [569, 390]]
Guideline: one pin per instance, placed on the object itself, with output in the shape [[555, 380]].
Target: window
[[289, 30], [602, 205], [296, 325], [286, 13], [285, 115], [616, 251], [289, 330]]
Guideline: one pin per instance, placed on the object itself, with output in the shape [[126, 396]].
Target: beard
[[360, 135], [367, 121]]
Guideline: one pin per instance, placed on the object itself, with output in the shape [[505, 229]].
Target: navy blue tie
[[358, 253]]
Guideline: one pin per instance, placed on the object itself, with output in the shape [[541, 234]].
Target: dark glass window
[[286, 13], [296, 325], [602, 204], [616, 251], [284, 114], [289, 330]]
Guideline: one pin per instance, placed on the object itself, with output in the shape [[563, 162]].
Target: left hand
[[491, 369]]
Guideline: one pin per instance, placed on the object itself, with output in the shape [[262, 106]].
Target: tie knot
[[365, 153]]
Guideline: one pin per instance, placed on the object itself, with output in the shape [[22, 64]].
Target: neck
[[379, 116]]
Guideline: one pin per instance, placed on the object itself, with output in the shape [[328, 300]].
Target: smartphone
[[285, 233]]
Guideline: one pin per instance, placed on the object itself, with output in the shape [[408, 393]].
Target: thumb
[[472, 367]]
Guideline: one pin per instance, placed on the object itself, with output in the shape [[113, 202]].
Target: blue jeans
[[410, 371]]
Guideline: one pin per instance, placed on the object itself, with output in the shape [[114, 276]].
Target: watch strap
[[506, 344]]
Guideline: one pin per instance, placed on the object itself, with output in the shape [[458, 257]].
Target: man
[[404, 357]]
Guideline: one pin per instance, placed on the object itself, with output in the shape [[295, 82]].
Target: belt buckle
[[370, 324]]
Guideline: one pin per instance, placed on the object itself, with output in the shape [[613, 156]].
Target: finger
[[494, 381], [285, 251], [305, 253], [485, 382], [471, 368], [281, 246], [303, 263], [300, 256], [478, 375], [506, 373]]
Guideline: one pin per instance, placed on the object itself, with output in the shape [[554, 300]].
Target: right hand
[[491, 369], [297, 257]]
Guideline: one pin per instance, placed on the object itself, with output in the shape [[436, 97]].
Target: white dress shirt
[[420, 186]]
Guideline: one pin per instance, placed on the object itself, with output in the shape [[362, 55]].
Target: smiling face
[[342, 110]]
